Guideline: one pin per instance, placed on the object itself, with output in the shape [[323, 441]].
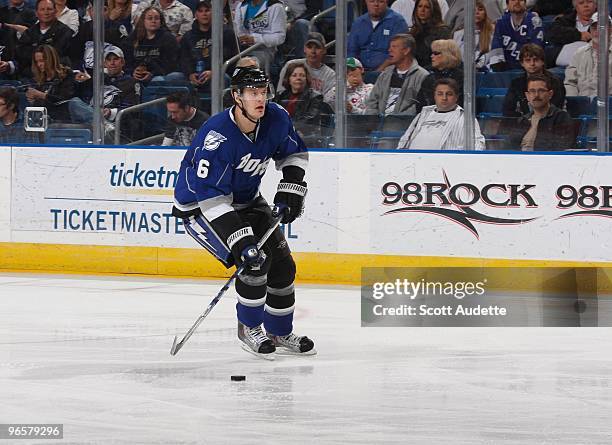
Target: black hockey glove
[[240, 239], [290, 199]]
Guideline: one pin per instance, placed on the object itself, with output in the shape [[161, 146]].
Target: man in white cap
[[356, 90], [581, 73], [323, 77]]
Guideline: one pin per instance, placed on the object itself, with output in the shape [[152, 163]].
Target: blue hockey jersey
[[222, 169], [508, 40]]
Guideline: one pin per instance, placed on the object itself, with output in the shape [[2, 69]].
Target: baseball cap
[[113, 50], [352, 62], [205, 3], [316, 38], [595, 18]]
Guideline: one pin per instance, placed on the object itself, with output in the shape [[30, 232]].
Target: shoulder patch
[[213, 140], [536, 21]]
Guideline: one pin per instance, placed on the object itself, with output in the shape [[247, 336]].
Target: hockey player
[[513, 30], [217, 196]]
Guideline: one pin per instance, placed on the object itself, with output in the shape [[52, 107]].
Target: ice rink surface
[[92, 353]]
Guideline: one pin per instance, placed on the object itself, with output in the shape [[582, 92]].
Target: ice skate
[[254, 340], [292, 344]]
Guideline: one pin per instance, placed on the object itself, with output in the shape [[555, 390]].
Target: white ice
[[92, 353]]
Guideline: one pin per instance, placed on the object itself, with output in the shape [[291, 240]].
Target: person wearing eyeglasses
[[546, 127]]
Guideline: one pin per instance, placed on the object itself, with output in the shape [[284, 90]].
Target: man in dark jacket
[[573, 26], [17, 14], [8, 47], [48, 31], [196, 46], [547, 128], [531, 58]]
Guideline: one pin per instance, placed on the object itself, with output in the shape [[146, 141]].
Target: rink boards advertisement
[[475, 205]]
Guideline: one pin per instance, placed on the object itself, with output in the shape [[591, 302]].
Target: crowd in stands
[[404, 58]]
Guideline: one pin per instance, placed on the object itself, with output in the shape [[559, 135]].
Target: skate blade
[[269, 357], [280, 350]]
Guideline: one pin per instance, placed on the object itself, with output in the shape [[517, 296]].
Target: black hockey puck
[[238, 378]]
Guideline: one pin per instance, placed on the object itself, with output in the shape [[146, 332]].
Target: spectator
[[69, 17], [405, 8], [482, 39], [569, 32], [262, 21], [445, 64], [54, 84], [184, 120], [120, 90], [154, 52], [441, 126], [17, 15], [48, 31], [300, 13], [11, 126], [396, 88], [532, 61], [307, 109], [546, 128], [371, 35], [323, 78], [454, 18], [8, 48], [514, 29], [428, 26], [581, 73], [120, 14], [196, 47], [177, 16], [357, 91]]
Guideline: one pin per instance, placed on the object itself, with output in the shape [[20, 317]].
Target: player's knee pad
[[251, 287], [280, 292]]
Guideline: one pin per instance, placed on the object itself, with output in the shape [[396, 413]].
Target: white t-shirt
[[429, 136]]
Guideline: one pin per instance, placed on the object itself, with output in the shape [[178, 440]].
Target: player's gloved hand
[[245, 250], [289, 199], [252, 257]]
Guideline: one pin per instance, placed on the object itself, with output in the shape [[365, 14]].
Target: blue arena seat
[[578, 105], [486, 91], [593, 107], [489, 105], [359, 128], [501, 79], [392, 129]]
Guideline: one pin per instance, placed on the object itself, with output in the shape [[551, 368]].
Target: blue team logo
[[213, 140]]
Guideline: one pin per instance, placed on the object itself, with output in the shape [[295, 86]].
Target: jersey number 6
[[203, 168]]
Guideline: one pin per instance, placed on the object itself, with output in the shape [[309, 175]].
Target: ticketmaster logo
[[122, 176]]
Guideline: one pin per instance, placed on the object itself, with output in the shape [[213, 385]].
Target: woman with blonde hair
[[427, 26], [54, 83], [483, 37], [445, 63]]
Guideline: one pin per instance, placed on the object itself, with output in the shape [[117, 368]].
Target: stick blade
[[176, 346]]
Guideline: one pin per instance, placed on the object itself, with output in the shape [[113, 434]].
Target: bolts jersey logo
[[213, 140]]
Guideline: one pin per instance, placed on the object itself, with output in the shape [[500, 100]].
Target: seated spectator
[[11, 121], [441, 126], [153, 53], [323, 78], [120, 91], [397, 86], [54, 84], [371, 35], [569, 32], [8, 49], [184, 120], [307, 109], [69, 17], [405, 8], [445, 64], [177, 17], [482, 39], [532, 61], [454, 18], [196, 48], [515, 28], [546, 128], [581, 73], [48, 31], [428, 26], [261, 21], [357, 92], [298, 24], [17, 15], [119, 16]]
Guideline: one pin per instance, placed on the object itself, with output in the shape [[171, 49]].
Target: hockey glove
[[244, 249], [290, 199]]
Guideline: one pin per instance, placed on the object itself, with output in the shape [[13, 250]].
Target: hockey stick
[[176, 346]]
